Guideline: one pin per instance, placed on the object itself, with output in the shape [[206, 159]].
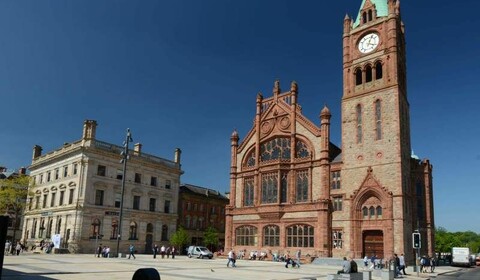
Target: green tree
[[179, 239], [210, 238], [445, 241], [13, 197]]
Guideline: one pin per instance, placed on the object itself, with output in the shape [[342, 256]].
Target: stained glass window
[[278, 148], [269, 188], [284, 187], [248, 192], [302, 150], [302, 186], [251, 159]]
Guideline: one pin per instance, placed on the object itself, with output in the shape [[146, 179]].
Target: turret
[[37, 151]]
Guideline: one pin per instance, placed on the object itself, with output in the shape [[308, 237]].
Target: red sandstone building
[[291, 188]]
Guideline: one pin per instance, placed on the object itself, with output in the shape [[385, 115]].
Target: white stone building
[[77, 194]]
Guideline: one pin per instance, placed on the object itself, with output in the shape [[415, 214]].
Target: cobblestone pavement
[[72, 267]]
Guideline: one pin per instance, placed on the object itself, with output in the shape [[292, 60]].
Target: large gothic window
[[246, 236], [278, 148], [302, 186], [248, 192], [300, 236], [302, 150], [378, 120], [359, 124], [251, 159], [271, 236], [269, 188]]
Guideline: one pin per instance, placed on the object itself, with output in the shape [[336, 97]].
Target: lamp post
[[125, 157]]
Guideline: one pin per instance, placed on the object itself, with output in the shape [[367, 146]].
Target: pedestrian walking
[[231, 258], [298, 254], [131, 249], [155, 251], [173, 252]]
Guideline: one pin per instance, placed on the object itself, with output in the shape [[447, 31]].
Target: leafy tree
[[210, 238], [445, 241], [180, 238], [13, 196]]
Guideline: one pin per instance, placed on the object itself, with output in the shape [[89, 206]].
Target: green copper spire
[[382, 10]]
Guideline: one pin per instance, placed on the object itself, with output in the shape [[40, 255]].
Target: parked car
[[199, 251], [477, 260]]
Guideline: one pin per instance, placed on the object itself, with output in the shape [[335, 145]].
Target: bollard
[[146, 274]]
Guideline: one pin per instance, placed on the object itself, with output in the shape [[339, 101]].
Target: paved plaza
[[47, 266]]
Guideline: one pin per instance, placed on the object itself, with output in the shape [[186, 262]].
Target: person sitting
[[346, 266], [353, 266], [262, 256]]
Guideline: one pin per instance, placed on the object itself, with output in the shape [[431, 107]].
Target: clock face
[[368, 43]]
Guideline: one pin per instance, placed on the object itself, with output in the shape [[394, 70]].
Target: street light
[[125, 157]]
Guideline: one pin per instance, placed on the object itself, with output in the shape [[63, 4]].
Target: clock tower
[[375, 129]]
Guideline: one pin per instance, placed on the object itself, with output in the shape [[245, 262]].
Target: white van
[[461, 256], [199, 251]]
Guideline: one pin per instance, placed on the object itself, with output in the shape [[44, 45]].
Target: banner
[[56, 240]]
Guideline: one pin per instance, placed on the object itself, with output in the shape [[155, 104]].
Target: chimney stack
[[89, 129], [137, 149], [37, 151], [178, 153], [22, 171]]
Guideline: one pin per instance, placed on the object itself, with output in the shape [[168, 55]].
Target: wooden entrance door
[[373, 243]]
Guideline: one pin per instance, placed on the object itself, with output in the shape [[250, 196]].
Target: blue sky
[[185, 73]]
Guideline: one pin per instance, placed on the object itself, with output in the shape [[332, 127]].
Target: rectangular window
[[57, 174], [335, 184], [138, 178], [62, 197], [189, 206], [99, 197], [284, 187], [37, 202], [30, 203], [65, 171], [168, 184], [48, 176], [119, 174], [75, 168], [136, 202], [212, 210], [70, 196], [44, 201], [52, 201], [248, 192], [101, 170], [41, 179], [118, 198], [167, 206], [337, 239], [337, 203], [153, 202], [302, 186], [269, 188], [153, 181]]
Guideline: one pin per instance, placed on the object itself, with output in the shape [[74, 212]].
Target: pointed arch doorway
[[373, 243]]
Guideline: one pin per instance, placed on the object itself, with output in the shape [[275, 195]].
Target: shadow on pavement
[[18, 275]]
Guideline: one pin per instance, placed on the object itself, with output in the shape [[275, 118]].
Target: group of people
[[164, 251], [14, 249], [348, 266], [103, 251], [427, 263], [254, 255]]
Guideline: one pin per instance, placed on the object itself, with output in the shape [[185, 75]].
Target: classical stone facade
[[200, 208], [77, 194], [293, 189]]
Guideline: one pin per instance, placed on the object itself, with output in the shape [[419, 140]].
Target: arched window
[[271, 236], [368, 74], [379, 212], [365, 212], [95, 228], [378, 119], [364, 17], [378, 70], [149, 227], [133, 231], [302, 150], [248, 192], [164, 233], [300, 236], [302, 186], [370, 15], [278, 148], [246, 236], [358, 76], [359, 124], [114, 230], [372, 212]]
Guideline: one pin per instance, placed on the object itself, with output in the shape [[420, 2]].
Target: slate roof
[[187, 188]]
